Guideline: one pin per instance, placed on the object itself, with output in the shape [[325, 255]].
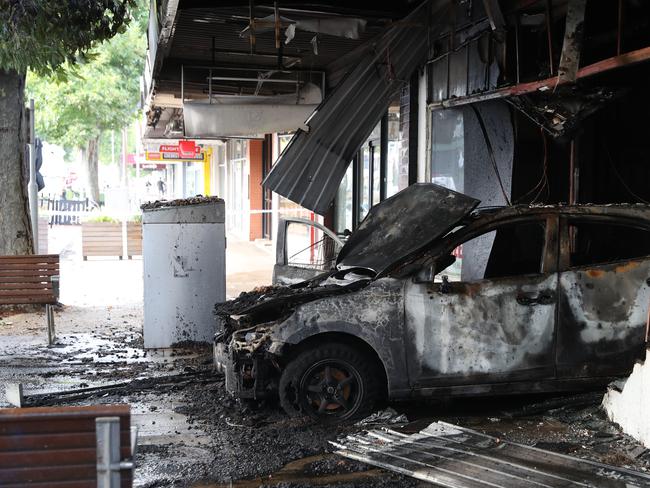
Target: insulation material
[[626, 403]]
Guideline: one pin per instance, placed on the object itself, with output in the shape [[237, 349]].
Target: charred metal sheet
[[573, 33], [403, 225], [311, 168], [456, 457]]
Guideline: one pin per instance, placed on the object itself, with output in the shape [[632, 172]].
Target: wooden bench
[[31, 279], [71, 447]]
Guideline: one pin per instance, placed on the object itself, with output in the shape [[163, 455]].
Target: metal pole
[[138, 150], [125, 195], [107, 430], [33, 186]]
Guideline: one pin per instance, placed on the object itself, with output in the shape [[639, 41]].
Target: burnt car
[[434, 297]]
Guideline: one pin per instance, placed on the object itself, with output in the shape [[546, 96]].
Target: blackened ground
[[192, 433]]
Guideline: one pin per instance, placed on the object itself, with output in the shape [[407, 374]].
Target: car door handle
[[546, 297]]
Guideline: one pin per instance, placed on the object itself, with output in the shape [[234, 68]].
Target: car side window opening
[[509, 250], [309, 247], [598, 242]]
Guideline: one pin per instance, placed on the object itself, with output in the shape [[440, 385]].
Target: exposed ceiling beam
[[615, 62], [359, 8], [167, 23]]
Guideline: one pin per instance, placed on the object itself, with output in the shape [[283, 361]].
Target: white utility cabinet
[[184, 253]]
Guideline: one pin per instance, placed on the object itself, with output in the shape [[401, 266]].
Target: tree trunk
[[15, 225], [91, 159]]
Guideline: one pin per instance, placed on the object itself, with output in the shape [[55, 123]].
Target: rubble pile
[[180, 202]]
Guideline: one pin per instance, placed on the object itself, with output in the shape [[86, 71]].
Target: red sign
[[187, 148], [184, 148]]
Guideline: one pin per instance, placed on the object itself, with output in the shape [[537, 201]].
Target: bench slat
[[27, 300], [40, 285], [32, 258], [25, 279], [29, 266], [49, 473], [26, 293], [47, 272], [46, 441]]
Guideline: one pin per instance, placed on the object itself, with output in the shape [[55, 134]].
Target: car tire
[[330, 383]]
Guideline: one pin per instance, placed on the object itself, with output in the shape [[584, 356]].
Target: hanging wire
[[545, 186], [543, 181], [618, 175], [491, 153]]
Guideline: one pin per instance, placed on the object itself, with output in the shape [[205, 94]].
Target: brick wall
[[255, 187]]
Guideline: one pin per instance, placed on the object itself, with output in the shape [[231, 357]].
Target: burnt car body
[[546, 298]]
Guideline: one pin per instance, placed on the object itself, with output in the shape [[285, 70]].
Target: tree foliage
[[43, 35], [96, 95]]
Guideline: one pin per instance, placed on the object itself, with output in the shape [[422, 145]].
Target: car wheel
[[331, 383]]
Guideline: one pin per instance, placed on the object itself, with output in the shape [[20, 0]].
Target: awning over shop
[[311, 168]]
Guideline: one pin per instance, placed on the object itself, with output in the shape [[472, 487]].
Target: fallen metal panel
[[401, 226], [310, 169], [456, 457]]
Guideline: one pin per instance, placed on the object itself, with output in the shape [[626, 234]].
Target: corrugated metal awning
[[311, 168]]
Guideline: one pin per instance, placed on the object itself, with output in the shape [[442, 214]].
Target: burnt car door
[[497, 323], [305, 249], [604, 295]]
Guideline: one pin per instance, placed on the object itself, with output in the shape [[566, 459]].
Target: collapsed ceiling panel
[[310, 169], [560, 113]]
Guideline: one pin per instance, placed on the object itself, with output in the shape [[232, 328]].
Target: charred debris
[[268, 304]]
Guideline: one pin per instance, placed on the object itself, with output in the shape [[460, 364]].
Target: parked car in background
[[431, 297]]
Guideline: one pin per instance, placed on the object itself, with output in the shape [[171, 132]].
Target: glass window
[[364, 175], [397, 159], [448, 148], [287, 208], [509, 250], [343, 218], [597, 242], [376, 172]]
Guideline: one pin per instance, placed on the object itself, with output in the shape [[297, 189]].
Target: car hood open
[[402, 226]]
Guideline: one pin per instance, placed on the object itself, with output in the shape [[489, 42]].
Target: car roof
[[626, 211]]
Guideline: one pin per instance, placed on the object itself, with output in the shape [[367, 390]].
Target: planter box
[[105, 239], [43, 229]]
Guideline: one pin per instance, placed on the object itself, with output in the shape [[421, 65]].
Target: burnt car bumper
[[249, 376]]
